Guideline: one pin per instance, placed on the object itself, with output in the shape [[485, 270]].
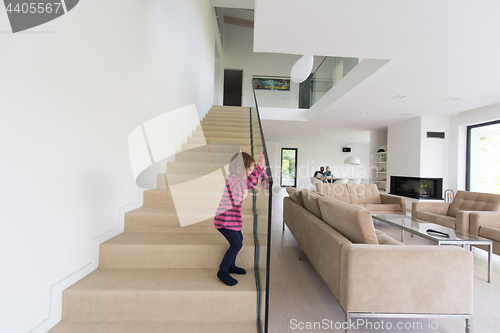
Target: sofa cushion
[[364, 194], [443, 220], [334, 190], [386, 240], [310, 199], [383, 207], [474, 201], [359, 205], [490, 233], [354, 223], [295, 195]]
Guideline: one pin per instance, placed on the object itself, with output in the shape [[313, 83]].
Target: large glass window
[[483, 157], [288, 167]]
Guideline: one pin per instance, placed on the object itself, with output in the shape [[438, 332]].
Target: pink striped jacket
[[228, 213]]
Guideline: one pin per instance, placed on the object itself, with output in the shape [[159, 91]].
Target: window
[[483, 158], [288, 167]]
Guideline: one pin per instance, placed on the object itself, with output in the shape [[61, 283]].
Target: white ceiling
[[437, 50]]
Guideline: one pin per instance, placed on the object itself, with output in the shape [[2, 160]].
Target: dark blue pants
[[235, 239]]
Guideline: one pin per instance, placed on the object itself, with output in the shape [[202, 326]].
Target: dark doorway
[[233, 80]]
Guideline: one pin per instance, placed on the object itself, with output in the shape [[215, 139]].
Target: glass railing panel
[[262, 227], [326, 76], [323, 79]]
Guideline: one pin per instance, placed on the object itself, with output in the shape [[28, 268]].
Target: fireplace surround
[[416, 187]]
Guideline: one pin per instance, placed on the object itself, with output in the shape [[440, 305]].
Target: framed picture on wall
[[271, 83]]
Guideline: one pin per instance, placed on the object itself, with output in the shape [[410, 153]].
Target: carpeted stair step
[[160, 326], [213, 181], [186, 199], [202, 157], [227, 129], [181, 198], [245, 126], [159, 294], [227, 119], [171, 250], [189, 167], [237, 141], [165, 219], [221, 134], [230, 108], [216, 148], [245, 116]]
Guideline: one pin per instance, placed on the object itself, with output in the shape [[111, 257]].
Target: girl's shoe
[[226, 278], [236, 270]]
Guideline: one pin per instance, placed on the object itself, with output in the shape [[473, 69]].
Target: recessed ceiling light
[[451, 99], [405, 114], [364, 112], [399, 96]]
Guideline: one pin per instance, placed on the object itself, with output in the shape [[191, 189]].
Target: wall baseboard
[[56, 290]]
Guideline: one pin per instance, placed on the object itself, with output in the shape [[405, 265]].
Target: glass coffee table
[[435, 232]]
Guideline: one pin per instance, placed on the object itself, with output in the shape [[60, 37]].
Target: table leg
[[402, 235], [489, 262]]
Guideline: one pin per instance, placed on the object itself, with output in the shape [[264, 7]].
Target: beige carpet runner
[[160, 277]]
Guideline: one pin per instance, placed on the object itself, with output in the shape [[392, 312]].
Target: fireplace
[[418, 188]]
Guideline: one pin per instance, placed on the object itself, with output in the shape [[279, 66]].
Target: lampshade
[[352, 160], [302, 68]]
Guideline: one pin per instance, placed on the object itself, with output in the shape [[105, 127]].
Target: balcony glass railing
[[282, 92], [262, 222], [326, 76]]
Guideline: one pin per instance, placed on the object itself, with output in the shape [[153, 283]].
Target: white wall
[[310, 156], [412, 154], [458, 141], [434, 152], [403, 149], [71, 92]]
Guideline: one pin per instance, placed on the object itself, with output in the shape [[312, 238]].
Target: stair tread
[[178, 326], [193, 211], [172, 211], [158, 280], [191, 239]]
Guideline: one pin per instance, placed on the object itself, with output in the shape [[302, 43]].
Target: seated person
[[328, 175], [320, 174]]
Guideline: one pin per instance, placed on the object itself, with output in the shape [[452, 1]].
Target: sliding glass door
[[483, 157]]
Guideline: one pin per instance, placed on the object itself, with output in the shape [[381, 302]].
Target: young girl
[[228, 219]]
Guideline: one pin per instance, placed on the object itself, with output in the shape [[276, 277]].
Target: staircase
[[160, 277]]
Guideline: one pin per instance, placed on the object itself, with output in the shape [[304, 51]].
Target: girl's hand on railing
[[262, 160]]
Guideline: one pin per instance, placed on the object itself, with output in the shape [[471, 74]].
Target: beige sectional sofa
[[372, 274], [364, 195], [470, 212]]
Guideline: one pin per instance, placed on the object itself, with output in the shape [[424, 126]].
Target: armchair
[[468, 212], [487, 225]]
